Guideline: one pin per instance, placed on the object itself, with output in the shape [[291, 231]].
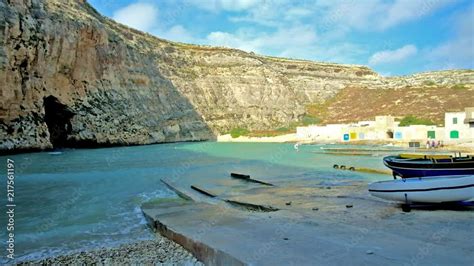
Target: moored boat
[[437, 189], [429, 166], [424, 156]]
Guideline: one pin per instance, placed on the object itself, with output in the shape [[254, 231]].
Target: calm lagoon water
[[80, 199]]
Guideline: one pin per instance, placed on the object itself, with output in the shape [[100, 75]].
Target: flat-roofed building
[[459, 126]]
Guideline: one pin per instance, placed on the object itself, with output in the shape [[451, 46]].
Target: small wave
[[130, 223], [44, 253], [157, 194]]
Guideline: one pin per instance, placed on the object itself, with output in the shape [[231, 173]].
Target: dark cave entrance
[[58, 118]]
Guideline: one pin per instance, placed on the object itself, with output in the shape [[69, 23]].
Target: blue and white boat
[[429, 166], [433, 189]]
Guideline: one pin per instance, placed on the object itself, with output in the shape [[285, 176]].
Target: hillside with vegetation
[[419, 105]]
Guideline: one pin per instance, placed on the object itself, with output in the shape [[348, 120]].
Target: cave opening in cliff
[[58, 119]]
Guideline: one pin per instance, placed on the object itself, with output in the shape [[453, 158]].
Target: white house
[[418, 133], [331, 132], [459, 125]]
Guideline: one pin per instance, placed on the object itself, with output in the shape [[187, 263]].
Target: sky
[[393, 37]]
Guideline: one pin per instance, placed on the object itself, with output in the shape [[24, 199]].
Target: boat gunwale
[[420, 189]]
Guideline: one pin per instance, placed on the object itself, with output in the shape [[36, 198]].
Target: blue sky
[[393, 37]]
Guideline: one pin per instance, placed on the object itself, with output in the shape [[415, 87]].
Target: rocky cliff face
[[104, 85], [70, 77]]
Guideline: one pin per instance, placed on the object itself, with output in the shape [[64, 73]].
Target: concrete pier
[[317, 228]]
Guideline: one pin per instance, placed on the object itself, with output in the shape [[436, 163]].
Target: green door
[[431, 134], [454, 134]]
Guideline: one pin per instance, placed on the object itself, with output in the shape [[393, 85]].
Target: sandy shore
[[275, 139], [466, 147], [292, 138], [147, 252]]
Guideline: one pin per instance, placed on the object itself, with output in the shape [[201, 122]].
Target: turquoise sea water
[[80, 199]]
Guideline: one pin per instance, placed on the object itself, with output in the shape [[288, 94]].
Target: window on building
[[455, 120]]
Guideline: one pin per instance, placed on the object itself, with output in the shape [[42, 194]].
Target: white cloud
[[294, 42], [385, 74], [141, 16], [316, 30], [227, 5], [458, 52], [380, 15], [393, 56], [367, 15], [359, 15], [176, 33], [297, 37], [274, 13], [297, 13], [226, 39], [407, 10]]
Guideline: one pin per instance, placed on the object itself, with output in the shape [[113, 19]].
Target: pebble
[[148, 252]]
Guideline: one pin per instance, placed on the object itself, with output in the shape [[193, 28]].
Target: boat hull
[[408, 168], [425, 189]]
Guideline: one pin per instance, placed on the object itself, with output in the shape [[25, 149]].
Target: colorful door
[[398, 135], [431, 134], [454, 134], [346, 137], [353, 135]]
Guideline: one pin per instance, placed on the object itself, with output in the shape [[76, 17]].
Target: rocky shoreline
[[160, 251]]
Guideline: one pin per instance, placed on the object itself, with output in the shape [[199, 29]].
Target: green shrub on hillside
[[413, 120], [459, 87], [290, 128], [283, 129], [237, 132], [429, 83], [310, 120]]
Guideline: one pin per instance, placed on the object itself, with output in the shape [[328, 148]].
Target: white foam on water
[[157, 194], [131, 223], [40, 254], [132, 226]]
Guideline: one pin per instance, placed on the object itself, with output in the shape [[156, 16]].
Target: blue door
[[346, 137]]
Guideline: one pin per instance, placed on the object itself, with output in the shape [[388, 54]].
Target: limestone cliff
[[71, 77]]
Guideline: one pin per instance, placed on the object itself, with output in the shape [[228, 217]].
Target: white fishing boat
[[434, 189]]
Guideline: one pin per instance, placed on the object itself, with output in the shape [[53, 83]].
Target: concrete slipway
[[316, 224]]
